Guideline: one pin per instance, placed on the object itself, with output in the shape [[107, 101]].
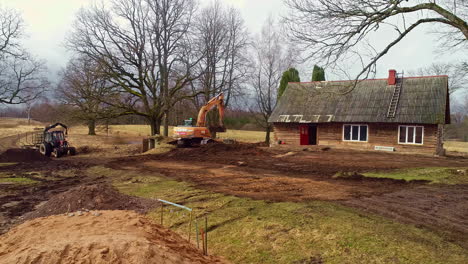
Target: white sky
[[48, 22]]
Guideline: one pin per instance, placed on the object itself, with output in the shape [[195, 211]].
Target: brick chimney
[[391, 77]]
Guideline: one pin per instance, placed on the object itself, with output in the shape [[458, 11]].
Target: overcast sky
[[48, 22]]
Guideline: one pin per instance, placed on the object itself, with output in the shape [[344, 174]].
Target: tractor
[[53, 142]]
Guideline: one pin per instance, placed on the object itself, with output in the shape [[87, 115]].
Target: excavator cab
[[188, 123]]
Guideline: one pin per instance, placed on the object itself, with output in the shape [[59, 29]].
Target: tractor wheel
[[45, 149], [72, 151], [57, 153]]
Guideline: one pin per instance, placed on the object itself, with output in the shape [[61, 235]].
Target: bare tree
[[11, 32], [458, 74], [222, 41], [22, 77], [83, 88], [140, 48], [170, 22], [271, 57], [332, 30]]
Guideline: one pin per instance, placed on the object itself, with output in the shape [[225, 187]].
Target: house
[[393, 114]]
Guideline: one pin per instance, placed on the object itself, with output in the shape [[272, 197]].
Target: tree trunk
[[166, 123], [267, 136], [92, 127], [155, 126]]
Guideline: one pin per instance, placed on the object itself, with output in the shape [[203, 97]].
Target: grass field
[[434, 175], [15, 126], [456, 146], [255, 231], [144, 130], [8, 179]]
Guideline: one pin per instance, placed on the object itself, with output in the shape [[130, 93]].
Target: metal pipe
[[176, 205]]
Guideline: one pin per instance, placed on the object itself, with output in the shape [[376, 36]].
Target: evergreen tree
[[291, 75], [318, 74]]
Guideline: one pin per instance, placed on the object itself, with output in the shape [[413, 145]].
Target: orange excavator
[[188, 135]]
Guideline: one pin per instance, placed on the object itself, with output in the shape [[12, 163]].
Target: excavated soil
[[438, 207], [97, 237], [284, 175], [22, 155], [278, 174], [91, 197]]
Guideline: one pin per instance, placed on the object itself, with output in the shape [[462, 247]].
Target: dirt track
[[435, 206], [275, 174], [270, 174]]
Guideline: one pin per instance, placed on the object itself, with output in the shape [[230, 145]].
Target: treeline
[[49, 113], [163, 60], [158, 62]]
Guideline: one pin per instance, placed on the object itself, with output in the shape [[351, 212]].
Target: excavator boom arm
[[215, 101]]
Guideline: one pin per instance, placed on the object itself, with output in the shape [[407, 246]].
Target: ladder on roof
[[392, 108]]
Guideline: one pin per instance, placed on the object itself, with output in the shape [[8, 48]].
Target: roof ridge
[[377, 79]]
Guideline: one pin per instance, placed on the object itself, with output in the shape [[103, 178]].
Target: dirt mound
[[97, 237], [216, 149], [90, 197], [22, 155]]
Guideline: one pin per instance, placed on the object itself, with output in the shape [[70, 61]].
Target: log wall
[[380, 134]]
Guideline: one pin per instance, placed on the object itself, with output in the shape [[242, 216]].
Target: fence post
[[206, 235], [190, 226], [196, 228], [162, 211]]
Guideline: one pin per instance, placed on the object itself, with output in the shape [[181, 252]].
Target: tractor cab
[[55, 138]]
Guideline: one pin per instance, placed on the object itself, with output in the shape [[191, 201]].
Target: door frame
[[315, 140], [304, 134]]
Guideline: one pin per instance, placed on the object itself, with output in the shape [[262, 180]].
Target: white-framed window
[[411, 135], [358, 133]]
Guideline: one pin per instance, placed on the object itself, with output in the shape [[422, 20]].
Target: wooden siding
[[380, 134]]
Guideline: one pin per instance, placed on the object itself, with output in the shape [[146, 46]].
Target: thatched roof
[[423, 100]]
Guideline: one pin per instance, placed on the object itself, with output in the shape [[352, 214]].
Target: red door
[[304, 132]]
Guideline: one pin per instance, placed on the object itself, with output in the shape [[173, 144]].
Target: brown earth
[[18, 199], [438, 207], [111, 237], [246, 170], [90, 197], [275, 174], [22, 155]]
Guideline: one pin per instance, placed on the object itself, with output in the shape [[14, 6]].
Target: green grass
[[252, 231], [7, 164], [434, 175], [19, 180]]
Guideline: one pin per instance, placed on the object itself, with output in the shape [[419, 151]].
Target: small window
[[411, 135], [355, 133]]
